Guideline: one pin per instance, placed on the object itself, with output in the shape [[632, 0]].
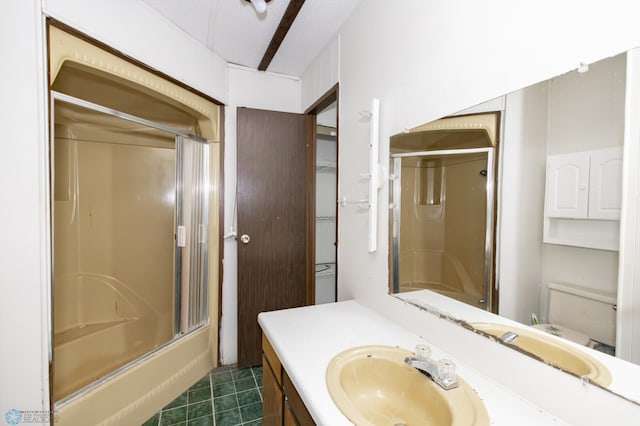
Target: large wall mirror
[[514, 208]]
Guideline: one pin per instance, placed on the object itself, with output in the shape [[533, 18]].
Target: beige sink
[[552, 351], [372, 385]]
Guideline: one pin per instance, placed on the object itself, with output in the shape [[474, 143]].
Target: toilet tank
[[589, 311]]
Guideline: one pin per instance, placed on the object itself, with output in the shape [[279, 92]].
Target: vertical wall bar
[[373, 172]]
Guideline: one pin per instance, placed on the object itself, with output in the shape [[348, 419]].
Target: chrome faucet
[[441, 372], [509, 337]]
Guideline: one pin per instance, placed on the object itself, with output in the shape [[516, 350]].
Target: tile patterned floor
[[227, 396]]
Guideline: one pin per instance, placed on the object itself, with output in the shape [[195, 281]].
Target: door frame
[[330, 96]]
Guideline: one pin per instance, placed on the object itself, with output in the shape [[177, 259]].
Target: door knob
[[245, 239]]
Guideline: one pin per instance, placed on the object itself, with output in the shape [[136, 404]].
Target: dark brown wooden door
[[272, 233]]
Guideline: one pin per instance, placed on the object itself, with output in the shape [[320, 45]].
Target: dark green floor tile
[[202, 383], [173, 416], [224, 403], [248, 397], [253, 423], [245, 384], [223, 389], [259, 380], [153, 421], [199, 395], [200, 409], [201, 421], [228, 418], [245, 373], [178, 402], [257, 370], [221, 378], [251, 412]]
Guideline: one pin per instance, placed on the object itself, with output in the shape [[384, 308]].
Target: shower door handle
[[245, 238]]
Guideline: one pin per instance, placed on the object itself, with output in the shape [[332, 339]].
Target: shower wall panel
[[465, 223], [443, 237], [113, 257]]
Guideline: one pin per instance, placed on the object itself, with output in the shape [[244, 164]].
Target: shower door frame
[[179, 331], [396, 196]]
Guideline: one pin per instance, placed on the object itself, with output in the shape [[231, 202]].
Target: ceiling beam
[[282, 30]]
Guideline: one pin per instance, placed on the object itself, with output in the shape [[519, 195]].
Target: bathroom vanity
[[281, 402], [299, 344]]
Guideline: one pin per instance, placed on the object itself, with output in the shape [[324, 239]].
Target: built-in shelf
[[325, 167], [325, 218], [331, 132]]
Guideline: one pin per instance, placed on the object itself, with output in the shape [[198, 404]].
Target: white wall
[[521, 202], [23, 252], [253, 89], [628, 319], [322, 74]]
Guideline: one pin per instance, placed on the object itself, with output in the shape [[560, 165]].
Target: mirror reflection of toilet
[[581, 315]]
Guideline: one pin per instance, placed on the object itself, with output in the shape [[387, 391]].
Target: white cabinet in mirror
[[562, 184]]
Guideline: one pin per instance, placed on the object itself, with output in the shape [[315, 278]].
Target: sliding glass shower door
[[130, 207]]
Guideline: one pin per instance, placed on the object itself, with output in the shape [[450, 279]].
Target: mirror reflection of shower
[[442, 200]]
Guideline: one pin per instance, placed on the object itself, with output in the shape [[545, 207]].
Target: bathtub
[[100, 325], [441, 272]]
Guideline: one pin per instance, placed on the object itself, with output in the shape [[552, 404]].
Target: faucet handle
[[423, 352], [447, 370]]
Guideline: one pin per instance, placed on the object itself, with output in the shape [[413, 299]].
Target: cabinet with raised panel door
[[585, 185], [583, 199], [282, 404]]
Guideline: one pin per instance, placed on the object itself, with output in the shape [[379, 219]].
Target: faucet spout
[[509, 337], [443, 376]]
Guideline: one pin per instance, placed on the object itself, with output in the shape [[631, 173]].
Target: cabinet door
[[289, 418], [272, 396], [567, 185], [605, 184]]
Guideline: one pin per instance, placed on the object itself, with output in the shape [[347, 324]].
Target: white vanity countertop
[[306, 339]]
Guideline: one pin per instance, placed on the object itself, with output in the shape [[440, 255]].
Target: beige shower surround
[[142, 389], [486, 122], [63, 47]]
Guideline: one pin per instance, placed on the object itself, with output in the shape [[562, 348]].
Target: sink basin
[[372, 385], [552, 351]]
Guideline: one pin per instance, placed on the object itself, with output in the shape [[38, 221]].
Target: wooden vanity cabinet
[[281, 404]]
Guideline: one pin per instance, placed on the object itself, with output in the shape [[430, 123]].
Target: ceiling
[[233, 29]]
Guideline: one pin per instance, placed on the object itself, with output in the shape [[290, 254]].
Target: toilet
[[580, 314]]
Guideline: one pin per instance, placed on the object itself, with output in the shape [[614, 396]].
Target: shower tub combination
[[123, 283], [440, 272], [442, 199], [134, 168], [101, 316]]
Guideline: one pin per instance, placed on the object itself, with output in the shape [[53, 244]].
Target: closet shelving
[[326, 167], [325, 219]]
